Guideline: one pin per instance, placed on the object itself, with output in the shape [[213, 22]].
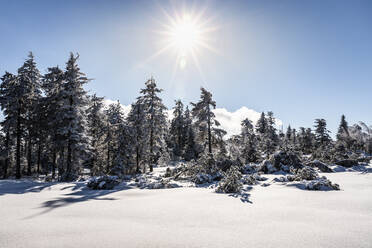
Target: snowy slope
[[68, 215]]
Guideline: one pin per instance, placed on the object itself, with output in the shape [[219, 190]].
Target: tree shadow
[[243, 195], [23, 186], [80, 193], [76, 192], [302, 186]]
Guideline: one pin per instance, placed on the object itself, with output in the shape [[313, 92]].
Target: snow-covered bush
[[267, 167], [249, 180], [231, 182], [287, 158], [103, 182], [202, 178], [347, 162], [69, 177], [306, 173], [321, 184], [249, 169], [163, 184], [207, 164], [168, 172], [321, 166]]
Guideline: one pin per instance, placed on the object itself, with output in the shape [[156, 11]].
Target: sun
[[185, 35]]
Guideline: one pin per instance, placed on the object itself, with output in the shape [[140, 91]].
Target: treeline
[[52, 126]]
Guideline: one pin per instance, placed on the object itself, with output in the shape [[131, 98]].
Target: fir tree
[[9, 100], [115, 118], [29, 77], [177, 129], [261, 124], [52, 85], [248, 141], [191, 151], [75, 101], [202, 112], [321, 132], [96, 127], [156, 120], [136, 122]]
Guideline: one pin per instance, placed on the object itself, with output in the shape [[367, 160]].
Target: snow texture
[[37, 215]]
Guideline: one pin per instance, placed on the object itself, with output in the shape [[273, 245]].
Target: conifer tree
[[343, 135], [177, 129], [249, 141], [202, 112], [115, 118], [52, 85], [321, 132], [9, 105], [96, 127], [74, 123], [29, 79], [189, 134], [261, 124], [156, 120], [136, 124]]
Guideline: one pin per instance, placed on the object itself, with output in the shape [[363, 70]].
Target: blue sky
[[300, 59]]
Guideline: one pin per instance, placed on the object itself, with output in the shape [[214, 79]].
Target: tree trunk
[[18, 146], [6, 163], [38, 157], [209, 132], [54, 163], [29, 155], [137, 160], [69, 147], [152, 160], [108, 157], [108, 147], [69, 157], [61, 165]]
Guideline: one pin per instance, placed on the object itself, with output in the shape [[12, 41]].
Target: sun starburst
[[186, 34]]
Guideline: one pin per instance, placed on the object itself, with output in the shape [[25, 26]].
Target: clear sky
[[300, 59]]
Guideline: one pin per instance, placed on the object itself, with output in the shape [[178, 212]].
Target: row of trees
[[52, 126]]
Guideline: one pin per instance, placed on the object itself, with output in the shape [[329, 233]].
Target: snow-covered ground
[[69, 215]]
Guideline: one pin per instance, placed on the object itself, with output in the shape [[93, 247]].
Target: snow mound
[[103, 182]]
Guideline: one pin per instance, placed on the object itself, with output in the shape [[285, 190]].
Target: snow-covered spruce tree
[[177, 135], [191, 150], [138, 132], [322, 140], [115, 118], [156, 121], [305, 140], [343, 138], [231, 181], [219, 143], [13, 100], [261, 124], [361, 137], [9, 103], [267, 137], [367, 137], [288, 135], [29, 77], [204, 119], [322, 133], [96, 127], [248, 142], [75, 102], [122, 163], [41, 131], [52, 85], [270, 137]]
